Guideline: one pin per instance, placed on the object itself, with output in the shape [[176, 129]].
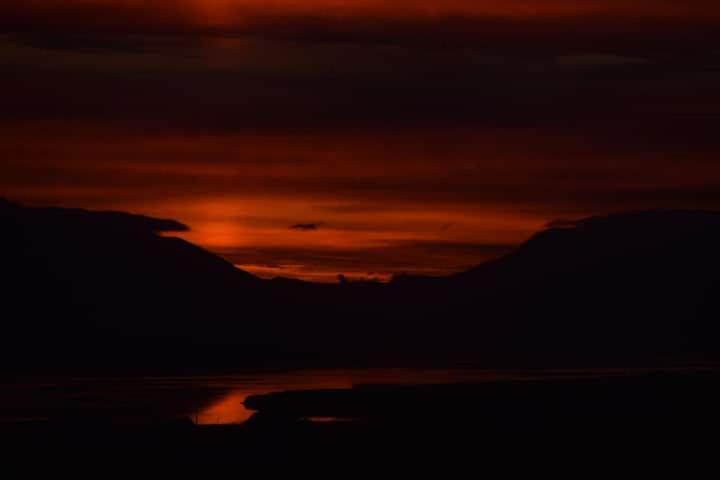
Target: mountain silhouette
[[79, 285], [630, 284], [109, 291]]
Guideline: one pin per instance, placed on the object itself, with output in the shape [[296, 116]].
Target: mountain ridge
[[630, 287]]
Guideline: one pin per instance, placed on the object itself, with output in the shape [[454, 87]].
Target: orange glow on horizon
[[383, 205]]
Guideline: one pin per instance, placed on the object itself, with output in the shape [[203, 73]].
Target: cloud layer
[[458, 125]]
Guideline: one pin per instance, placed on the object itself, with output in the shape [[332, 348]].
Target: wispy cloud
[[305, 227]]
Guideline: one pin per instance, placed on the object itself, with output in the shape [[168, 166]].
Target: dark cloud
[[81, 43], [305, 227], [114, 221], [600, 61], [329, 88], [650, 24]]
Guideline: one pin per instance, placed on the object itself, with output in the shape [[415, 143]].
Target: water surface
[[217, 399]]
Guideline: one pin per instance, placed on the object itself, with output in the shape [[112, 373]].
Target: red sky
[[414, 136]]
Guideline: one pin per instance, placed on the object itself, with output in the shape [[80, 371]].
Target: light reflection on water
[[229, 408], [206, 399], [218, 399]]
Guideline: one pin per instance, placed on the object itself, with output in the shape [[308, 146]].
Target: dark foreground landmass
[[109, 293], [633, 425], [104, 294]]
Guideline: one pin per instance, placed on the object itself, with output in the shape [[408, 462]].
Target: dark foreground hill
[[634, 285], [82, 287], [639, 425], [106, 291]]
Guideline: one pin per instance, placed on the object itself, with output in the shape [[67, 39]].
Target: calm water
[[211, 400], [229, 407]]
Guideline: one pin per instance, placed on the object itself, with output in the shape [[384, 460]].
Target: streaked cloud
[[423, 134]]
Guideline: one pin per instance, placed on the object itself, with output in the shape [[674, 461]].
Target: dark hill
[[634, 285], [106, 291], [79, 286]]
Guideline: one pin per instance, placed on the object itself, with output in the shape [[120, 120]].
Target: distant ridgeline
[[102, 291]]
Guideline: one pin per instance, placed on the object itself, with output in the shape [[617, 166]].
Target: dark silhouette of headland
[[107, 291]]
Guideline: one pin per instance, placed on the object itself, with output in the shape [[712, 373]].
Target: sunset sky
[[363, 137]]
